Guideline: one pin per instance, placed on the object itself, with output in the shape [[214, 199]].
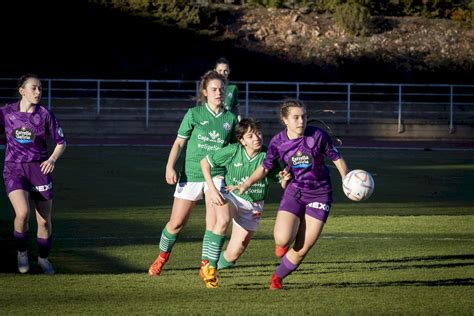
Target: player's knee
[[175, 227], [21, 218], [222, 223]]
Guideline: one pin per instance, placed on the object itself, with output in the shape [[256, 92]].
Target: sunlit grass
[[407, 250]]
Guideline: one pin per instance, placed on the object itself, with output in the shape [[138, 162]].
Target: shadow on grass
[[423, 283], [87, 246], [305, 286]]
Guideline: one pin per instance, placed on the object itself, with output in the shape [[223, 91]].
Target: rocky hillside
[[407, 44], [91, 40]]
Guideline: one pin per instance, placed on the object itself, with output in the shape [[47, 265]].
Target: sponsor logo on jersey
[[23, 135], [319, 206], [213, 137], [300, 160], [214, 134], [238, 164], [226, 126], [204, 123]]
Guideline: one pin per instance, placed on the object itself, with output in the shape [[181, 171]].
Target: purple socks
[[285, 268], [44, 246], [21, 240]]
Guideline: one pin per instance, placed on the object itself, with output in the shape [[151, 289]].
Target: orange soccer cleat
[[208, 275], [276, 283], [157, 265]]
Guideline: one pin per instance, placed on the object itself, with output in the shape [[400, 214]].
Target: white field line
[[343, 147], [157, 238]]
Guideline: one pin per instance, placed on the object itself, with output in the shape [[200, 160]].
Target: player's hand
[[171, 176], [241, 187], [47, 166], [216, 197], [285, 176]]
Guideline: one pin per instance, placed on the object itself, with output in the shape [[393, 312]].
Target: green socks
[[223, 263], [167, 240]]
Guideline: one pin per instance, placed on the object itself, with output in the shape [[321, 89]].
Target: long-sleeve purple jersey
[[305, 158], [26, 132]]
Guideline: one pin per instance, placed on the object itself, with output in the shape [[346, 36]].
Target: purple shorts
[[27, 176], [305, 202]]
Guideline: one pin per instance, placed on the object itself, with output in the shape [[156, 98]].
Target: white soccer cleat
[[45, 265], [23, 264]]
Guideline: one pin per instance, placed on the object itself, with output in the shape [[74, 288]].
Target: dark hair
[[285, 107], [208, 76], [23, 79], [221, 60], [244, 125]]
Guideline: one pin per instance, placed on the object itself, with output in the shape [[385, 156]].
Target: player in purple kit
[[27, 169], [305, 205]]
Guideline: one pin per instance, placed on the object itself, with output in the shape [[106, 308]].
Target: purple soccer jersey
[[305, 158], [26, 132]]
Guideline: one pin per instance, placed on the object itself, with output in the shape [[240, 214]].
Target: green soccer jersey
[[231, 98], [239, 166], [206, 132]]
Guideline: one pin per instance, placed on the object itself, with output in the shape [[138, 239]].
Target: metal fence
[[352, 102]]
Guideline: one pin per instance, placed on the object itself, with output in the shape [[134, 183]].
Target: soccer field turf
[[408, 250]]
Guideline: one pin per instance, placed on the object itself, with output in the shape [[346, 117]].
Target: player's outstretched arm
[[178, 145], [256, 176], [341, 167]]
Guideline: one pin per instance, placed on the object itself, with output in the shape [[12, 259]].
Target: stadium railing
[[155, 100]]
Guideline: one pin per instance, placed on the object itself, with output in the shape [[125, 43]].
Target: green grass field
[[408, 250]]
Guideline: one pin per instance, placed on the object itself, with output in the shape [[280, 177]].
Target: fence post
[[451, 110], [400, 130], [98, 98], [147, 102], [49, 94], [197, 92], [349, 104], [246, 99], [297, 90]]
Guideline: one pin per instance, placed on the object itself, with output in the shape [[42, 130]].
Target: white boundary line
[[343, 147], [157, 238]]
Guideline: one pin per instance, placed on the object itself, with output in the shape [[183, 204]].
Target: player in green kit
[[204, 129], [231, 95], [240, 161]]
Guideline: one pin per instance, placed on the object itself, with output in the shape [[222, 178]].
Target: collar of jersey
[[214, 114], [250, 158]]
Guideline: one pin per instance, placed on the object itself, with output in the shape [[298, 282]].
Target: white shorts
[[194, 191], [248, 213]]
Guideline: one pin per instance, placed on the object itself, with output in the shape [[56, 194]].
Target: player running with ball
[[305, 205]]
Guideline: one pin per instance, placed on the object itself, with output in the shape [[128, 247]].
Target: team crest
[[226, 126]]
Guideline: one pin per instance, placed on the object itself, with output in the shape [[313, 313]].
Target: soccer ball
[[358, 185]]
